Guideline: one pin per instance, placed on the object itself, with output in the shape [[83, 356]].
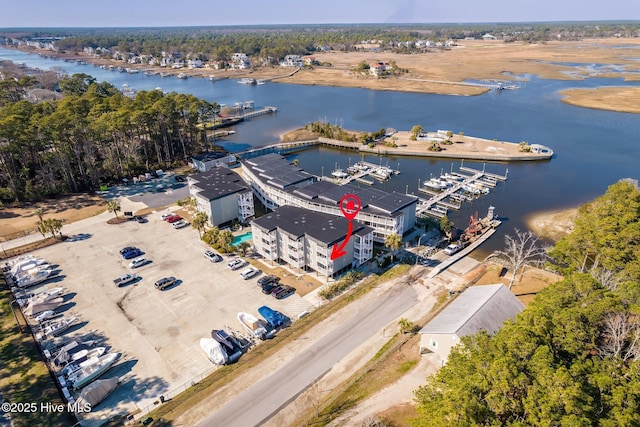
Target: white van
[[249, 273]]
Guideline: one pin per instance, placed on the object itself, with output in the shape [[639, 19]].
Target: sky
[[161, 13]]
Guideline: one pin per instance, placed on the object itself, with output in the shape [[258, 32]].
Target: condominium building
[[275, 182], [304, 240], [223, 195]]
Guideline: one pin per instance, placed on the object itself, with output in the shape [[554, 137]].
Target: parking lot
[[158, 332]]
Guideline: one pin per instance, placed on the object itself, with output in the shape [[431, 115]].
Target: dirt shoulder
[[21, 220]]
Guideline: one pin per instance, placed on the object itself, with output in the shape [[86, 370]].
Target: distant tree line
[[273, 43], [92, 135]]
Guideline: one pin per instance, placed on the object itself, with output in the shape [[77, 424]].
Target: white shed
[[478, 308]]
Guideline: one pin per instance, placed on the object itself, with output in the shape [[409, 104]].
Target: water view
[[593, 148]]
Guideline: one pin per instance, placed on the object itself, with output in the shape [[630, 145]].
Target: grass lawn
[[24, 377]]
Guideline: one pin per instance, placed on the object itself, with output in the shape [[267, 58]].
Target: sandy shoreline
[[442, 71], [552, 225]]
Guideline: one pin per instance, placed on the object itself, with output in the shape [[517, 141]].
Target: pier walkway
[[437, 206]]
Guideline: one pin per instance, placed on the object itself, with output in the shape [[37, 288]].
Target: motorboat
[[56, 327], [252, 325], [435, 184], [339, 173], [45, 315], [35, 278], [380, 173], [26, 273], [229, 344], [247, 81], [35, 308], [92, 372], [26, 264], [26, 299], [274, 318], [87, 354]]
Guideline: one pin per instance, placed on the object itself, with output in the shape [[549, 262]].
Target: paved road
[[257, 404]]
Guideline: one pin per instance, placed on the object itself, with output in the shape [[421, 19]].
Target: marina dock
[[462, 188]]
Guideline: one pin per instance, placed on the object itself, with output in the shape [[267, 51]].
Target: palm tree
[[199, 221], [113, 205], [43, 228], [393, 242], [243, 247], [225, 240], [39, 212]]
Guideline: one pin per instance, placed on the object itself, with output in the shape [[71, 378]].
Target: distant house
[[240, 61], [194, 63], [214, 159], [479, 308], [488, 37], [309, 60], [379, 68], [292, 61]]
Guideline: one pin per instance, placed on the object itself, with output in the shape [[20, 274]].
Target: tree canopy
[[572, 357], [93, 135]]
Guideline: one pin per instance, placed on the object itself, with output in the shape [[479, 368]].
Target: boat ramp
[[450, 190]]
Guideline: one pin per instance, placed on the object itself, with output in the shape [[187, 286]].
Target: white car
[[452, 249], [236, 264], [212, 256], [138, 262], [180, 224], [166, 215], [249, 273]]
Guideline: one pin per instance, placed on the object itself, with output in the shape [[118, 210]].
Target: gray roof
[[277, 171], [212, 155], [478, 308], [297, 222], [372, 200], [218, 183]]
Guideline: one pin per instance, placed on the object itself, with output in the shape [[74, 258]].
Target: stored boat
[[230, 345], [35, 278], [92, 372], [252, 325], [96, 392], [214, 351], [36, 308], [56, 327]]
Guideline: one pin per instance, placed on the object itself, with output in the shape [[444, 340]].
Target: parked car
[[282, 291], [179, 178], [138, 262], [140, 219], [268, 279], [180, 224], [249, 273], [132, 253], [267, 288], [452, 249], [166, 215], [173, 218], [236, 264], [212, 256], [127, 249], [165, 282]]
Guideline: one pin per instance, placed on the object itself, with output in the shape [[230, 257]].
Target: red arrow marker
[[350, 206]]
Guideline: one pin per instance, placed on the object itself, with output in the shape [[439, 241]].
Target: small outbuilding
[[479, 308]]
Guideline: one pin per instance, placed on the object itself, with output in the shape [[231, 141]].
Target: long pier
[[437, 206]]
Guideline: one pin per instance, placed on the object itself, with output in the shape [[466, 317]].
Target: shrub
[[341, 285]]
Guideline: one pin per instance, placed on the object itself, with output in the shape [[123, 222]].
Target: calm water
[[593, 148]]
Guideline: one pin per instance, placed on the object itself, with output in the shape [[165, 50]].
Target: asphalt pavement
[[258, 403]]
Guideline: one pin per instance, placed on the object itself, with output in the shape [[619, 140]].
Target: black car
[[267, 288], [140, 219], [282, 291], [132, 254], [265, 280], [179, 178], [127, 249]]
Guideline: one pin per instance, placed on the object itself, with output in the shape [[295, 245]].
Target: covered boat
[[229, 343], [35, 308], [96, 392], [214, 351], [274, 318]]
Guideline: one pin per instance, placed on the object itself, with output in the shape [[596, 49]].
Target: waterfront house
[[222, 195], [479, 308], [240, 61], [304, 240], [292, 61]]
